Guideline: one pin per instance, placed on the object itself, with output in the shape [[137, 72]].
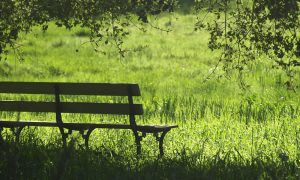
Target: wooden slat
[[141, 128], [101, 108], [11, 124], [70, 107], [23, 106], [105, 89], [83, 126]]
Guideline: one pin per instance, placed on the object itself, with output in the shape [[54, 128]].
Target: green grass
[[224, 132]]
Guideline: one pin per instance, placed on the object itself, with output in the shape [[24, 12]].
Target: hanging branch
[[253, 28]]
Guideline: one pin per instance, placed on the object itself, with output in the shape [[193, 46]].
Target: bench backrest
[[57, 89]]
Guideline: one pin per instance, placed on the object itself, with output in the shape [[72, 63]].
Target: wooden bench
[[58, 107]]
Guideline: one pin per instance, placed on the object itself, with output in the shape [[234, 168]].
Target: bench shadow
[[51, 161]]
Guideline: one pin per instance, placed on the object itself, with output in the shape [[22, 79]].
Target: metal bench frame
[[85, 129]]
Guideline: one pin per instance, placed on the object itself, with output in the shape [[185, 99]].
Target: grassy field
[[224, 132]]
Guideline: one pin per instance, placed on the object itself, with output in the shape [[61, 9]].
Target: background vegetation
[[224, 132]]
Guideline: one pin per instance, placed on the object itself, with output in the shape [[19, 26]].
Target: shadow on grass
[[51, 161]]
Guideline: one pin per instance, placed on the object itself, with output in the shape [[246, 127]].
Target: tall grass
[[224, 132]]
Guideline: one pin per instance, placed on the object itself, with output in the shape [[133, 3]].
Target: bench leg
[[65, 136], [86, 136], [17, 132], [1, 137], [160, 140], [138, 139]]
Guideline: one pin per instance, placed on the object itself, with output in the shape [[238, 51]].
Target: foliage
[[243, 30], [246, 30], [101, 17]]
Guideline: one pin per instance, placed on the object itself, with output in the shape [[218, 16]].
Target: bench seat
[[85, 126]]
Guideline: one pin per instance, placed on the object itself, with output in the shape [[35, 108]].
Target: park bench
[[58, 107]]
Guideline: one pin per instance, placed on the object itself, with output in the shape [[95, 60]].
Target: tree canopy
[[106, 19], [243, 30]]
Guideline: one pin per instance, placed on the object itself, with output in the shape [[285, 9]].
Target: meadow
[[224, 132]]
